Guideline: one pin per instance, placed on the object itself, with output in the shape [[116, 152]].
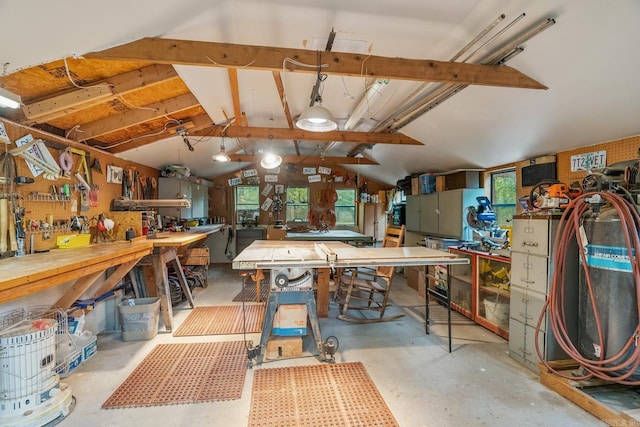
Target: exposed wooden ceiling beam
[[235, 94], [211, 54], [134, 117], [298, 134], [285, 105], [308, 159], [51, 108], [199, 123]]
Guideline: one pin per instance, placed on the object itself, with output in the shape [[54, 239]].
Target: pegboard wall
[[617, 151], [41, 204]]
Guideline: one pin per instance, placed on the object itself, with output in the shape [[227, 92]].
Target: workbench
[[345, 236], [270, 254], [166, 248], [21, 276]]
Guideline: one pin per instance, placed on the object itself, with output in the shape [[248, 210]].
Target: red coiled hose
[[619, 367]]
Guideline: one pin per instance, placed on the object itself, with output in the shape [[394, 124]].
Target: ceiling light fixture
[[222, 156], [9, 99], [316, 118], [270, 161]]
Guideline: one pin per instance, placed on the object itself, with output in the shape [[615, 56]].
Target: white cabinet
[[443, 213], [174, 188], [531, 275], [199, 201]]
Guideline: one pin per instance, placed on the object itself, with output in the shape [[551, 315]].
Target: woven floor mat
[[249, 293], [221, 320], [340, 394], [184, 373]]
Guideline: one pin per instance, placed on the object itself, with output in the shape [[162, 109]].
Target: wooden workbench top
[[18, 271], [183, 238]]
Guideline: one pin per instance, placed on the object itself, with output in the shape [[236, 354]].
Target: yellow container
[[73, 240]]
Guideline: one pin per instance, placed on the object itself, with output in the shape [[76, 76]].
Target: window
[[297, 203], [503, 195], [247, 203], [345, 207]]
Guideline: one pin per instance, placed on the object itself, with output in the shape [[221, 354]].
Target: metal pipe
[[498, 34], [480, 35], [497, 58], [420, 89]]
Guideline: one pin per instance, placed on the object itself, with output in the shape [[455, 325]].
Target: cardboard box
[[415, 185], [413, 276], [283, 347], [276, 233], [463, 179], [290, 320], [441, 183]]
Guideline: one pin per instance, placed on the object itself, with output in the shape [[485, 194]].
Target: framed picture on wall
[[114, 174], [279, 189]]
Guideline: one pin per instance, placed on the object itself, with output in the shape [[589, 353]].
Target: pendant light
[[222, 156], [316, 118], [270, 161]]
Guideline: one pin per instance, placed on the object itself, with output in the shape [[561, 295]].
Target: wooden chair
[[367, 289]]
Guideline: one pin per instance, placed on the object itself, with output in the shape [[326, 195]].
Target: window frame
[[500, 206], [254, 207], [353, 206], [289, 203]]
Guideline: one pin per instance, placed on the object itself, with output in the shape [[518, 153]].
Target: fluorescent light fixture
[[316, 119], [8, 99], [270, 161], [222, 155]]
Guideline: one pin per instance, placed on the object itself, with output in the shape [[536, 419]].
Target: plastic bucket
[[139, 318], [496, 312]]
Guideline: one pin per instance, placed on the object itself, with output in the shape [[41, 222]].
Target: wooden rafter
[[285, 105], [298, 134], [212, 54], [53, 107], [199, 123], [235, 94], [134, 117], [308, 159]]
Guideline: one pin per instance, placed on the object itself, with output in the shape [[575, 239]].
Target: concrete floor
[[424, 385]]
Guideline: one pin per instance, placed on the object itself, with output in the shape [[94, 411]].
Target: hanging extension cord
[[627, 359]]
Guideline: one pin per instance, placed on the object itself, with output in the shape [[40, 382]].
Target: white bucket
[[496, 312]]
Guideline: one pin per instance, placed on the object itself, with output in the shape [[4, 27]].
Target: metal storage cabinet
[[174, 188], [531, 274], [246, 236], [442, 214]]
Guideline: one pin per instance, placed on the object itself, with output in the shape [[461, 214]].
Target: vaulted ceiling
[[414, 86]]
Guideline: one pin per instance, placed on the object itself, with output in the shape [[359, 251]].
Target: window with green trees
[[345, 207], [247, 203], [503, 195], [297, 203]]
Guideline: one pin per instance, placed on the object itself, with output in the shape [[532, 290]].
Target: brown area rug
[[222, 320], [249, 293], [340, 394], [184, 373]]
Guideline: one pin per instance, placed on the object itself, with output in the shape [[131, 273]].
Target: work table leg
[[161, 277], [323, 292]]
